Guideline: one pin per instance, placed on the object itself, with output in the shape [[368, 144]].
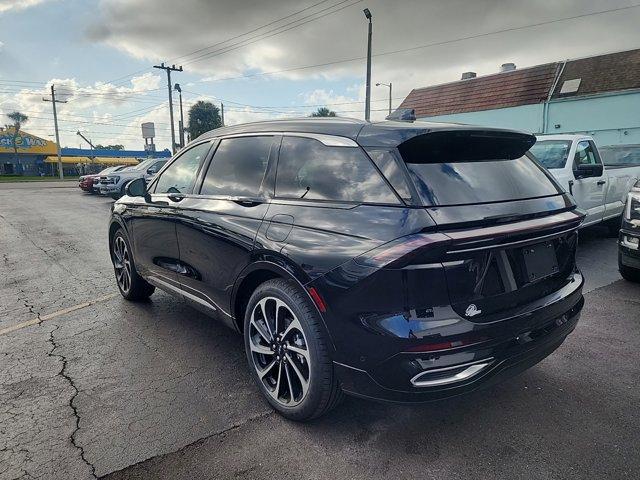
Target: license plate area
[[540, 261]]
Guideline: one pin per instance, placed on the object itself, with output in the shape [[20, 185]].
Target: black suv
[[401, 261]]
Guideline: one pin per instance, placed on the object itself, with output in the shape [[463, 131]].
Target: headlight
[[632, 211], [115, 179]]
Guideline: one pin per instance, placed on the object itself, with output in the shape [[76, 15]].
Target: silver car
[[113, 184]]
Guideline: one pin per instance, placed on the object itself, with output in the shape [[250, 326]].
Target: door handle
[[248, 203], [176, 197], [601, 182]]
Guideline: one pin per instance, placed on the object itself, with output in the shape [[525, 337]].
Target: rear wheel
[[131, 285], [288, 352], [628, 273]]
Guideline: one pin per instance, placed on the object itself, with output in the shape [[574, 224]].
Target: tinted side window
[[180, 176], [386, 163], [308, 169], [585, 154], [238, 167]]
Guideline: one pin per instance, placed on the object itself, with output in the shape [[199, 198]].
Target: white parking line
[[49, 316]]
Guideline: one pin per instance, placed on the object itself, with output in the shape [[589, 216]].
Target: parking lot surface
[[92, 385]]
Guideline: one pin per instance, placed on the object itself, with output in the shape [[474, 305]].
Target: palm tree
[[324, 112], [18, 119]]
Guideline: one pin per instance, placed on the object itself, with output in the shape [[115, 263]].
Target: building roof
[[527, 86], [604, 73]]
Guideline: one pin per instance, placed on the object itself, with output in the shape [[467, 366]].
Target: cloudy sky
[[271, 58]]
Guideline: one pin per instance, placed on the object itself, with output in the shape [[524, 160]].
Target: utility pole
[[222, 113], [367, 104], [92, 156], [55, 122], [181, 126], [169, 70]]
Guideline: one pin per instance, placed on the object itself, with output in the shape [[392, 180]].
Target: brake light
[[416, 248]]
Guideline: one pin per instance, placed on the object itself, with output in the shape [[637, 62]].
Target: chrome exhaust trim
[[469, 370]]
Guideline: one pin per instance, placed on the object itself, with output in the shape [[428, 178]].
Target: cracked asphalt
[[96, 386]]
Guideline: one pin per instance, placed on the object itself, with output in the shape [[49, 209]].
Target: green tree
[[18, 120], [109, 147], [203, 116], [323, 112]]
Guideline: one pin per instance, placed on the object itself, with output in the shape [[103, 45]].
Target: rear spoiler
[[438, 135]]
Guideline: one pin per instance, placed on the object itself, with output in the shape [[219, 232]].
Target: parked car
[[113, 185], [629, 240], [88, 182], [598, 188], [399, 261]]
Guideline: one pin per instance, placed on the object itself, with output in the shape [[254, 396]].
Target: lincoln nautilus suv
[[401, 261]]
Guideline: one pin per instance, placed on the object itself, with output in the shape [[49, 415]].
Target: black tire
[[323, 392], [613, 226], [628, 273], [136, 288]]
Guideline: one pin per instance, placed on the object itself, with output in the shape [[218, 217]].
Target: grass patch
[[34, 178]]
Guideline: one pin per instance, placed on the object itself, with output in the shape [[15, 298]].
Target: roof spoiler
[[403, 115]]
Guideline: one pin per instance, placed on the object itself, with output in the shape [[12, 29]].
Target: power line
[[224, 41], [427, 45], [273, 32]]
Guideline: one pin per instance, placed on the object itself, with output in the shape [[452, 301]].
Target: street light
[[181, 132], [367, 103], [390, 85]]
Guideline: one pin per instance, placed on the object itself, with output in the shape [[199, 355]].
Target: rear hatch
[[512, 229]]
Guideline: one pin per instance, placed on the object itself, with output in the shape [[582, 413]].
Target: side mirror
[[152, 171], [136, 188], [589, 170]]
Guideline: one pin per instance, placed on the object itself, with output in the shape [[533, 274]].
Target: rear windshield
[[551, 153], [474, 172], [622, 155]]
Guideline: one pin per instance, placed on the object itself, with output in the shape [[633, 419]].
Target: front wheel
[[288, 352], [131, 285], [628, 273]]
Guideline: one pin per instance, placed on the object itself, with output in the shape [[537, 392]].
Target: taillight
[[413, 249]]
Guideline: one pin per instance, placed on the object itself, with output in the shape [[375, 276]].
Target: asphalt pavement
[[92, 385]]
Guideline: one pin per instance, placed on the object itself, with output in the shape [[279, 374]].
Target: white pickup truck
[[600, 190]]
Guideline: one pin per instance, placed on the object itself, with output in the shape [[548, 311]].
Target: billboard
[[26, 143]]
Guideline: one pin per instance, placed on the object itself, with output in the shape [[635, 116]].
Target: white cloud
[[105, 112], [126, 25], [6, 5]]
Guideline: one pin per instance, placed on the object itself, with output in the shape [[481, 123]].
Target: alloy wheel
[[122, 264], [280, 352]]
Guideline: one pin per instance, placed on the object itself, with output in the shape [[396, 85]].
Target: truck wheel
[[614, 226], [288, 352], [628, 273]]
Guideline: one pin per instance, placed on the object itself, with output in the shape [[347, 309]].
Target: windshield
[[551, 153], [144, 165], [621, 155]]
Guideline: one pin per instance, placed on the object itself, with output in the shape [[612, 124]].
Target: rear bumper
[[511, 346]]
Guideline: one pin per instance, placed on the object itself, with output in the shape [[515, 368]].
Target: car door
[[219, 223], [589, 191], [154, 219]]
